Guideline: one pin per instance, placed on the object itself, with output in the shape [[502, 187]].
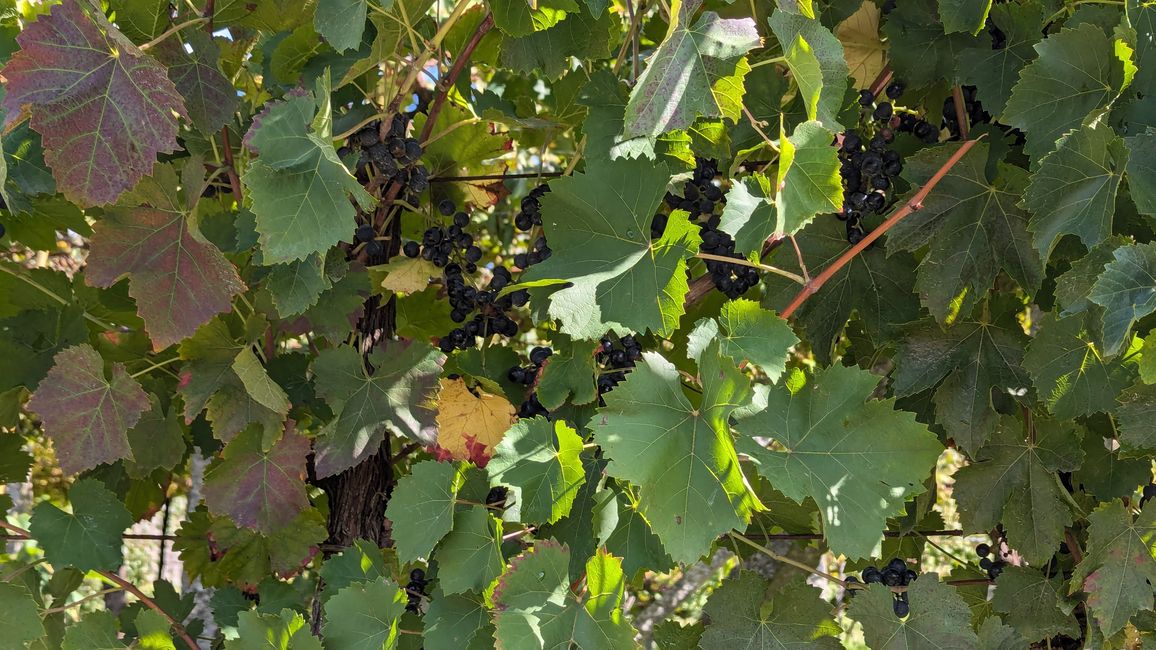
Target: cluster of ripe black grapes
[[395, 157], [993, 567], [869, 168], [527, 376], [700, 196], [496, 497], [415, 590], [527, 218], [895, 574], [614, 361]]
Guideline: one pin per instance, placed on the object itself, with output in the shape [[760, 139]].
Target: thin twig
[[450, 79], [960, 112], [494, 177], [786, 560], [231, 165], [68, 606], [173, 30], [754, 265], [1073, 546], [912, 204], [424, 57], [799, 256], [881, 80]]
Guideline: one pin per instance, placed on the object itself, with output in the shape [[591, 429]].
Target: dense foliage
[[492, 317]]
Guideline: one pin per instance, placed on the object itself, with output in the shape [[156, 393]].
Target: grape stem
[[791, 561], [450, 79], [52, 294], [173, 30], [960, 112], [913, 204], [754, 265]]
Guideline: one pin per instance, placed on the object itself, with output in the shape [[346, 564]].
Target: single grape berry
[[461, 219], [902, 608], [417, 575], [883, 112], [364, 233], [895, 89], [872, 575], [982, 550], [539, 355], [374, 249], [447, 207], [866, 98]]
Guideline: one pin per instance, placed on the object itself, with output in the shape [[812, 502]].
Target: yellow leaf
[[469, 425], [862, 46], [407, 275]]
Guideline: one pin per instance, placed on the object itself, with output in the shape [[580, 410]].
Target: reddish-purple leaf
[[87, 414], [104, 109], [259, 489], [209, 97], [178, 282]]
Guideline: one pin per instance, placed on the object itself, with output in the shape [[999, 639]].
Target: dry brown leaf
[[469, 425], [862, 46]]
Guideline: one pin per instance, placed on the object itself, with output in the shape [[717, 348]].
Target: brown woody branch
[[961, 112], [912, 204]]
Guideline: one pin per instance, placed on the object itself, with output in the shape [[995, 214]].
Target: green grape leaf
[[1106, 472], [994, 635], [422, 508], [695, 72], [569, 373], [1135, 415], [87, 412], [1127, 292], [598, 225], [963, 15], [1074, 190], [152, 629], [1141, 168], [671, 635], [964, 365], [258, 384], [209, 95], [921, 50], [539, 461], [858, 458], [97, 630], [808, 184], [827, 53], [938, 617], [804, 67], [971, 226], [1010, 481], [14, 460], [179, 283], [156, 441], [1032, 603], [21, 624], [605, 97], [745, 612], [626, 534], [296, 286], [208, 357], [470, 556], [536, 609], [1069, 372], [232, 409], [103, 108], [993, 71], [219, 553], [1074, 285], [876, 287], [361, 562], [341, 22], [298, 185], [1119, 566], [365, 616], [748, 333], [257, 488], [579, 35], [461, 145], [287, 631], [577, 530], [141, 20], [680, 456], [31, 342], [457, 622], [88, 538], [1076, 73], [398, 395]]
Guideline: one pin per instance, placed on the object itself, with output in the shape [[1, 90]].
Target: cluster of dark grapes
[[614, 361], [869, 167], [527, 218], [700, 196], [440, 244], [415, 590], [496, 497], [526, 376], [993, 567], [395, 157], [972, 108], [895, 574]]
